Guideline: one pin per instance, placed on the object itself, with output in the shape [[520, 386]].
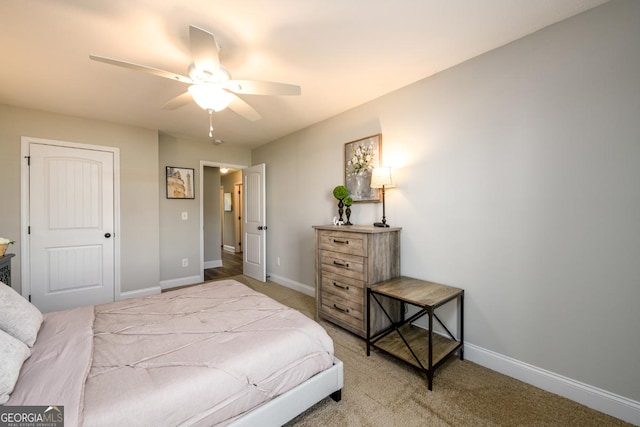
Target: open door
[[255, 222]]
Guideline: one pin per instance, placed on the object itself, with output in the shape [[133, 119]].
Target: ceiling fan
[[211, 86]]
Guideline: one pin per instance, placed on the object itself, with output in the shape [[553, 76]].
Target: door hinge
[[29, 297], [28, 160], [29, 229]]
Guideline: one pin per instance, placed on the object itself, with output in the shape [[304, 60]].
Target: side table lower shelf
[[413, 344], [419, 340]]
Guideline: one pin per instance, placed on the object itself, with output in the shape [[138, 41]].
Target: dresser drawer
[[346, 311], [343, 264], [347, 289], [343, 242]]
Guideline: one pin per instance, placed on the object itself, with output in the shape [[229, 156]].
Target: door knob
[[262, 227], [107, 235]]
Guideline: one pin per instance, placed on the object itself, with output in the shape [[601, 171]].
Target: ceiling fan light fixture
[[210, 97]]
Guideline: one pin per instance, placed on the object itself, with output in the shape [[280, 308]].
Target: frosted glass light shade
[[210, 96], [382, 177]]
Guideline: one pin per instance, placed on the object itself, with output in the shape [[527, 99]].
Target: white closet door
[[72, 225]]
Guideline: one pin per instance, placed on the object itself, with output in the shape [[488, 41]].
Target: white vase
[[362, 188]]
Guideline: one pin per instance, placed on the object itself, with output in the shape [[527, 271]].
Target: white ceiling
[[342, 54]]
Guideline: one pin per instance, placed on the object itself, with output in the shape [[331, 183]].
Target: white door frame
[[203, 164], [237, 215], [25, 265]]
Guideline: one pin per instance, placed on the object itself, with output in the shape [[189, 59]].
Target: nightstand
[[5, 268], [420, 347]]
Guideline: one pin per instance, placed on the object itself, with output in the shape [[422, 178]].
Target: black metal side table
[[415, 345], [5, 268]]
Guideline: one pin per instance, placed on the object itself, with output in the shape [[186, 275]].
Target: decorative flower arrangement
[[348, 201], [340, 192], [362, 159], [3, 245]]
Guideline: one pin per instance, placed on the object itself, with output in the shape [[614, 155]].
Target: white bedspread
[[60, 359], [196, 356]]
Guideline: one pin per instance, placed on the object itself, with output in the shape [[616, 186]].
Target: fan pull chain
[[210, 124]]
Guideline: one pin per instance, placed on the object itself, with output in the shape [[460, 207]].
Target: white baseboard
[[182, 281], [593, 397], [213, 264], [154, 290], [292, 284]]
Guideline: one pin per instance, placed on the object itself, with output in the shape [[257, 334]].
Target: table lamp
[[381, 178]]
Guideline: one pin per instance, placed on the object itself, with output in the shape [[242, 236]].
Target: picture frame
[[180, 183], [227, 202], [360, 158]]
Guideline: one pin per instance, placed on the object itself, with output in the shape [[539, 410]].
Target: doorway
[[221, 261]]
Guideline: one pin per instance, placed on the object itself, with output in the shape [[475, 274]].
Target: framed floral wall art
[[180, 183], [360, 158]]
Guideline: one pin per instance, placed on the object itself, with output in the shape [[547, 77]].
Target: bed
[[213, 354]]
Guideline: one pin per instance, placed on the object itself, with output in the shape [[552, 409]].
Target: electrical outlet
[[185, 216], [278, 261], [185, 262]]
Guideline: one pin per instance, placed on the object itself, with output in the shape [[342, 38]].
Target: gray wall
[[139, 241], [518, 178], [181, 239], [148, 219]]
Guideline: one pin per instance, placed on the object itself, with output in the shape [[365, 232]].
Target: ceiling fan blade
[[143, 68], [179, 101], [244, 109], [204, 50], [254, 87]]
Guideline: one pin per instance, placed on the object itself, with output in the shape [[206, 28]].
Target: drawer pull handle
[[343, 242], [341, 264], [344, 310], [340, 286]]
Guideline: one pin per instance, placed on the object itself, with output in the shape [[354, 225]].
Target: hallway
[[231, 266]]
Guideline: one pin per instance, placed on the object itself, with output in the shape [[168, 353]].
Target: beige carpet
[[381, 391]]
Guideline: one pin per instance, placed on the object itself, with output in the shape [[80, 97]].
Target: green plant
[[340, 192], [348, 201]]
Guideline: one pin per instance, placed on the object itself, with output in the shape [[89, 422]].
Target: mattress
[[197, 356]]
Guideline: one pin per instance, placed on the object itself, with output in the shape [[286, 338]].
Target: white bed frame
[[287, 406]]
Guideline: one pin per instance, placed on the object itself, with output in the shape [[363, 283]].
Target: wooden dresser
[[348, 260]]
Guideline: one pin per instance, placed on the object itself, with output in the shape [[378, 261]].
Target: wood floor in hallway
[[231, 266]]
